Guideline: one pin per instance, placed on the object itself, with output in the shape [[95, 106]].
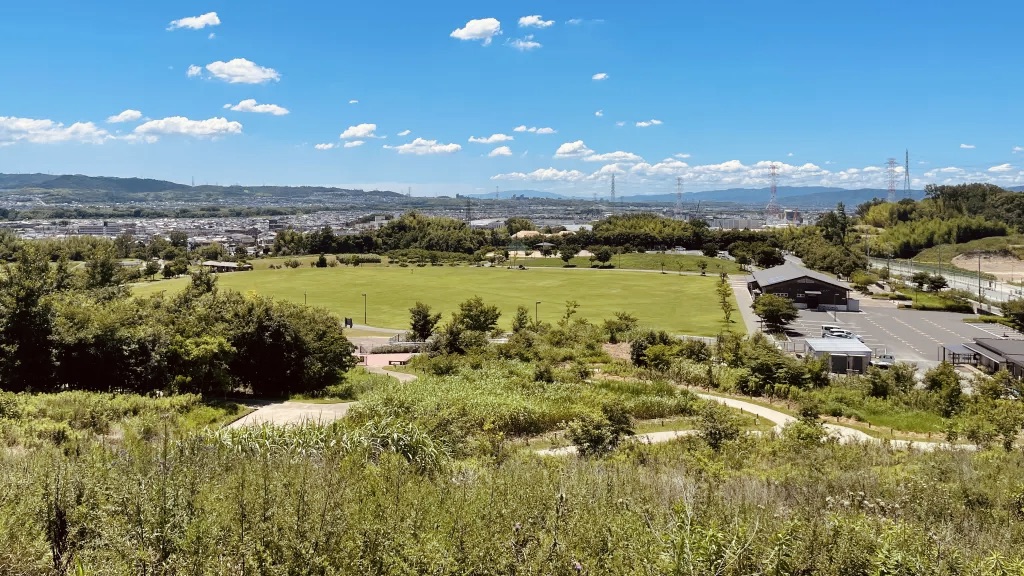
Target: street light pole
[[364, 309], [536, 312]]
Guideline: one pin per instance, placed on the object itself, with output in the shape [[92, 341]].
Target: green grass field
[[679, 304]]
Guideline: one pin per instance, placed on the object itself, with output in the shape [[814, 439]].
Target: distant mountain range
[[79, 188]]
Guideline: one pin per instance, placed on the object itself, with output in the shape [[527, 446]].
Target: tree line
[[64, 330]]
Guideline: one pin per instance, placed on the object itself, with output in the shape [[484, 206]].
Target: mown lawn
[[679, 304]]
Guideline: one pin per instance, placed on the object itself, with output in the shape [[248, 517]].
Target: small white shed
[[846, 355]]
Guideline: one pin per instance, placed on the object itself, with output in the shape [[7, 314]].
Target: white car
[[843, 334]]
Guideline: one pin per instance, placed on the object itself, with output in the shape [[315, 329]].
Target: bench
[[397, 362]]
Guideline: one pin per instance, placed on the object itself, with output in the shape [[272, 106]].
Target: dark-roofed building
[[806, 288], [997, 353]]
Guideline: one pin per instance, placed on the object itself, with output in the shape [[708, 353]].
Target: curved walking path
[[300, 412], [281, 413]]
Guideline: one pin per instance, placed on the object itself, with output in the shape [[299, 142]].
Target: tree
[[775, 310], [603, 254], [568, 252], [937, 282], [623, 323], [597, 436], [521, 321], [919, 279], [717, 425], [321, 262], [710, 250], [178, 239], [102, 269], [151, 269], [422, 322], [516, 224], [26, 320], [724, 292], [476, 316], [638, 347], [703, 265]]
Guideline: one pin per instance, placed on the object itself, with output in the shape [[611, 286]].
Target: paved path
[[282, 413], [744, 302]]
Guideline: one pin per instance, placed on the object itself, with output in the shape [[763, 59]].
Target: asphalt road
[[909, 335]]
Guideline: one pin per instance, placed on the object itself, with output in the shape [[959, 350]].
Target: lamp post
[[364, 309], [536, 312]]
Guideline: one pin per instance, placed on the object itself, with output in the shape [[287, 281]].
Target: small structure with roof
[[215, 266], [806, 288], [846, 355], [992, 354]]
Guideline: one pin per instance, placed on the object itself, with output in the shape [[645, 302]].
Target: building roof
[[850, 346], [216, 264], [1002, 346], [789, 272]]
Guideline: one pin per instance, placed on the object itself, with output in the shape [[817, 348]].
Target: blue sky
[[232, 92]]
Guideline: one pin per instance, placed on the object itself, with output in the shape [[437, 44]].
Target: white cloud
[[354, 143], [405, 132], [618, 156], [574, 21], [194, 71], [1001, 168], [1018, 149], [599, 113], [967, 146], [525, 44], [600, 76], [181, 125], [250, 105], [534, 21], [421, 147], [211, 36], [241, 71], [534, 130], [544, 175], [484, 29], [667, 167], [126, 116], [353, 101], [790, 155], [43, 131], [620, 123], [681, 155], [195, 22], [359, 131], [327, 146], [500, 151], [492, 139], [648, 123], [575, 149]]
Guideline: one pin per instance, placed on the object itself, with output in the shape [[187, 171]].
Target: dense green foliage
[[82, 331]]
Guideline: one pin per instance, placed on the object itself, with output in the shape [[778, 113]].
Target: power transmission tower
[[906, 176], [890, 170], [679, 197], [773, 203], [497, 193], [613, 189], [469, 210]]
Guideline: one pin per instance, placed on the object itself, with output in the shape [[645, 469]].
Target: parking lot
[[909, 335]]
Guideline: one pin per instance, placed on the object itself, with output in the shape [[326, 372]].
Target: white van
[[826, 328]]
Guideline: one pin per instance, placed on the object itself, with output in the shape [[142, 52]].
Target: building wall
[[796, 290]]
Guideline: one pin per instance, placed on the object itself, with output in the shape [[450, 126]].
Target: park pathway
[[744, 302], [282, 413]]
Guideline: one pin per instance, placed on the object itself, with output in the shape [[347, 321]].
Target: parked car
[[843, 334], [884, 361], [826, 328]]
